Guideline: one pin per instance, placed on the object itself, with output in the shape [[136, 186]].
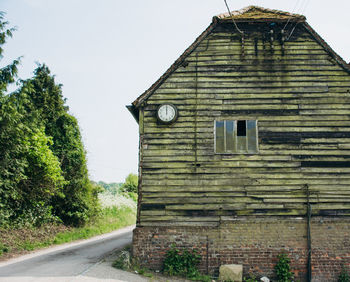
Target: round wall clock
[[166, 113]]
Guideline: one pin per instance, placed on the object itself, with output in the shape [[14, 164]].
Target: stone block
[[231, 272]]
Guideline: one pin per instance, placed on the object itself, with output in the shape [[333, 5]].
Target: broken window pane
[[241, 128]]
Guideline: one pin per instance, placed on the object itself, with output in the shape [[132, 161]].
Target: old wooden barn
[[245, 150]]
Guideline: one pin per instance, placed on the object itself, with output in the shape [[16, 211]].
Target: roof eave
[[134, 112], [144, 96], [328, 48]]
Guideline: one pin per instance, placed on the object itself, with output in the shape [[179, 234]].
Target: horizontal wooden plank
[[226, 56], [236, 46], [220, 165], [190, 219], [208, 121], [315, 90], [253, 66], [179, 223], [228, 170], [277, 74], [198, 79], [250, 84], [265, 175], [177, 194]]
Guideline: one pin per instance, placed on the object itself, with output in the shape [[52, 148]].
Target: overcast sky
[[107, 52]]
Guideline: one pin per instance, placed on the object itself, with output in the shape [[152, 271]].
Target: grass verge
[[15, 242], [112, 218]]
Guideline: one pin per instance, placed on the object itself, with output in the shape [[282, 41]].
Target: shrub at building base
[[283, 269]]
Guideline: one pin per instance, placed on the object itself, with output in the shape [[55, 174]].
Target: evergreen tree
[[7, 73], [78, 201], [29, 172]]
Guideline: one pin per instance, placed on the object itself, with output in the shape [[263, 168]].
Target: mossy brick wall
[[255, 243]]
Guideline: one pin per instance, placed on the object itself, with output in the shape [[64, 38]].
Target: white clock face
[[166, 113]]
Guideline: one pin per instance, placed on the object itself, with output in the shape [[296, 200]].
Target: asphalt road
[[68, 262]]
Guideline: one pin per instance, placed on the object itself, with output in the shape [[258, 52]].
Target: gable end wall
[[300, 96]]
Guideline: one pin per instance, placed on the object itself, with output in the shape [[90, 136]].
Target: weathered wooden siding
[[301, 99]]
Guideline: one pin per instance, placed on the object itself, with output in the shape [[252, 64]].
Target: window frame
[[235, 151]]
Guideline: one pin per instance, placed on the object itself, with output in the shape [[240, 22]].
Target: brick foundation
[[255, 243]]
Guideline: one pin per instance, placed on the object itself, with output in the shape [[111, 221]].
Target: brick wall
[[255, 243]]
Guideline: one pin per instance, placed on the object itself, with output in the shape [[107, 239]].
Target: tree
[[7, 73], [43, 169], [29, 172], [78, 201], [131, 183]]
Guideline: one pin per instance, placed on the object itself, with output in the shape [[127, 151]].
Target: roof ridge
[[244, 14]]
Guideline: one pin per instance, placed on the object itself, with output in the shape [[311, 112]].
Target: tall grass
[[118, 210]]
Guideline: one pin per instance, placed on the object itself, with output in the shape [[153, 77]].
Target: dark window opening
[[241, 128]]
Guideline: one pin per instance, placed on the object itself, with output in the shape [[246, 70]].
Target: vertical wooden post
[[309, 268], [141, 141]]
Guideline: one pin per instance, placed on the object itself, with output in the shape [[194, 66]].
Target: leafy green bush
[[283, 269], [133, 196], [3, 249], [131, 183], [344, 275], [30, 173], [183, 264], [250, 278]]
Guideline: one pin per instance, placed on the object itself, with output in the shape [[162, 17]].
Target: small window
[[236, 137]]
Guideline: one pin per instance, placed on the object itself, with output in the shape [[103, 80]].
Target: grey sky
[[107, 52]]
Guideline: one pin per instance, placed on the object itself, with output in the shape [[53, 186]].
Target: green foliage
[[29, 172], [133, 196], [11, 139], [14, 241], [344, 275], [43, 171], [183, 264], [108, 220], [3, 249], [77, 202], [131, 183], [283, 268], [7, 73], [113, 188], [250, 278]]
